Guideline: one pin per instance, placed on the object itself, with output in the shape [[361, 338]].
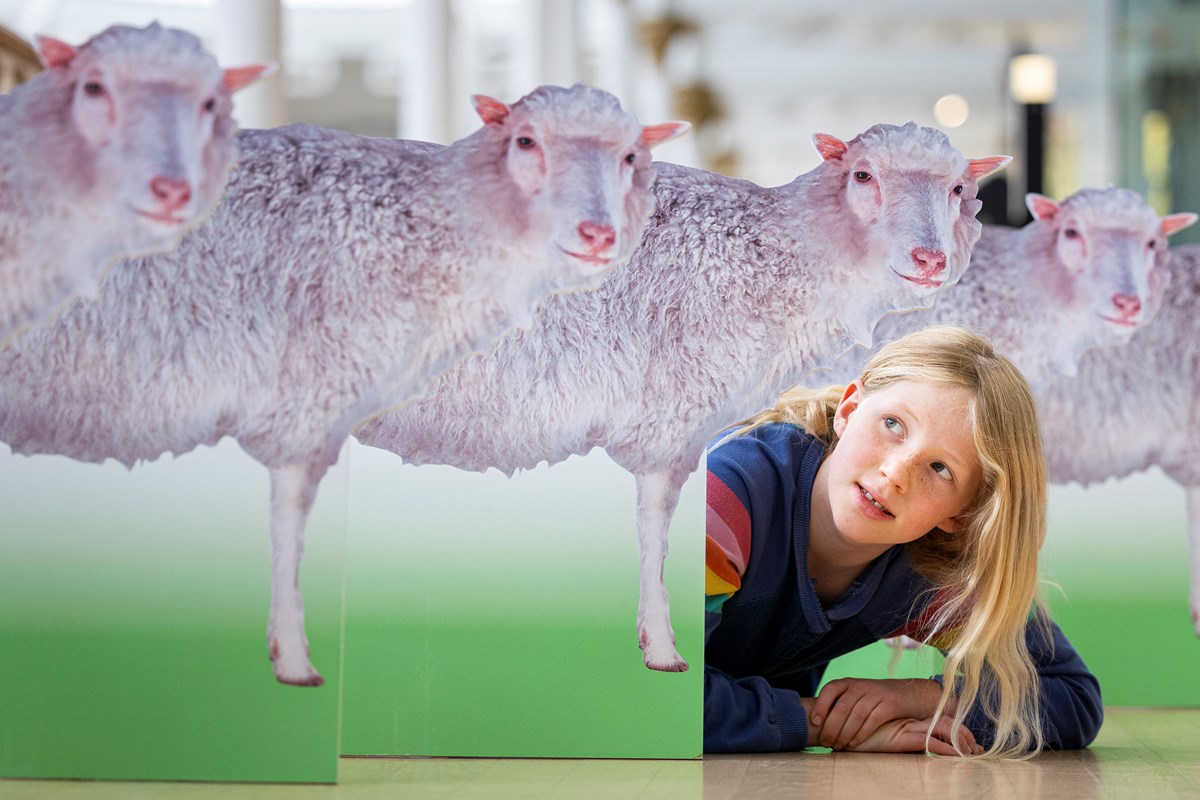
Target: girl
[[911, 502]]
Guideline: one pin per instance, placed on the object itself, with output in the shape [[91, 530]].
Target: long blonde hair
[[985, 576]]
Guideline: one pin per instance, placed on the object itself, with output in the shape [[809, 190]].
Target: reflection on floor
[[1140, 753]]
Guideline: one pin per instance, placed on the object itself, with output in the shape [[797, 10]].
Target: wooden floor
[[1140, 753]]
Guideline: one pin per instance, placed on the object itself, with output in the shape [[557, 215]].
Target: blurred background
[[1082, 92]]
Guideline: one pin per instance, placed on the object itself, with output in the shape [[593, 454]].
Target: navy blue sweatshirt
[[767, 637]]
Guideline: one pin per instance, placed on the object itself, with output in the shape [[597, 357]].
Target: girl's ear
[[954, 524], [851, 397]]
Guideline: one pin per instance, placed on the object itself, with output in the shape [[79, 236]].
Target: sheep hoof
[[294, 670], [303, 677], [663, 659]]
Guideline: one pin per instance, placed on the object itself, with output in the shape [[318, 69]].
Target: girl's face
[[905, 462]]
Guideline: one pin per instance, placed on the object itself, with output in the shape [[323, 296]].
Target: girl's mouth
[[871, 499]]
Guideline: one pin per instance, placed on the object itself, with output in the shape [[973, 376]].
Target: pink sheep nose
[[1127, 304], [929, 262], [597, 238], [172, 193]]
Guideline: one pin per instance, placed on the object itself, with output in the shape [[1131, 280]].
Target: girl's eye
[[942, 470], [524, 142], [893, 425], [862, 176]]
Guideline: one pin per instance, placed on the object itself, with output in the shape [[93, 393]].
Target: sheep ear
[[830, 147], [979, 168], [236, 78], [1040, 206], [1173, 223], [490, 110], [657, 134], [54, 52]]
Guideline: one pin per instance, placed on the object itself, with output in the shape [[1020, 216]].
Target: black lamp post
[[1033, 83]]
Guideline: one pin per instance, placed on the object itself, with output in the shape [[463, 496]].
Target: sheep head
[[910, 201], [1109, 248], [150, 113], [579, 168]]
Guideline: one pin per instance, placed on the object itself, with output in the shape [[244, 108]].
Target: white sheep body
[[1134, 407], [736, 291], [116, 149], [336, 278], [1084, 273]]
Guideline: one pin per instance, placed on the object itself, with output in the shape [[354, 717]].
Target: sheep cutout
[[116, 149], [337, 277], [1085, 273], [736, 292], [1134, 407]]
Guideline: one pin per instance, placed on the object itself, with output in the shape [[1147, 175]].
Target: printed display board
[[495, 616], [133, 613], [1118, 552]]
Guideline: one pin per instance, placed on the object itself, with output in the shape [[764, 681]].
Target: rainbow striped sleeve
[[727, 546]]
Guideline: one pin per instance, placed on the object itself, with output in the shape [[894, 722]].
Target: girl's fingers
[[939, 747], [844, 719], [853, 729], [825, 700], [877, 717], [942, 732]]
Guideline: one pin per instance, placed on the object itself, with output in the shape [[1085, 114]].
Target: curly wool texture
[[736, 292], [1039, 311], [339, 274], [1133, 407], [66, 204]]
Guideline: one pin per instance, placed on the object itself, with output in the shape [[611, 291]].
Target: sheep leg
[[657, 497], [1193, 527], [293, 488]]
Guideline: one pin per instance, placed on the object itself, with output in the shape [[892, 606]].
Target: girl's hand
[[849, 710], [908, 736]]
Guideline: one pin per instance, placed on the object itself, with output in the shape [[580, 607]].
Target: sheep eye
[[958, 189], [524, 142], [1071, 233], [629, 159], [210, 104], [93, 89], [1152, 244], [861, 176]]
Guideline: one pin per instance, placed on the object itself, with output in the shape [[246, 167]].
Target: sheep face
[[913, 200], [1112, 248], [152, 113], [581, 170]]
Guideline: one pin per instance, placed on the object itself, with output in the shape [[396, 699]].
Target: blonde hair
[[984, 576]]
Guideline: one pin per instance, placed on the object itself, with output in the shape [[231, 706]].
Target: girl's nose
[[896, 468]]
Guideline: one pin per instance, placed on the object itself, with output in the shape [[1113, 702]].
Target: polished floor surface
[[1151, 753]]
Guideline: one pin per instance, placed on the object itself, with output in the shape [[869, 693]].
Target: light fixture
[[951, 111], [1032, 78]]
